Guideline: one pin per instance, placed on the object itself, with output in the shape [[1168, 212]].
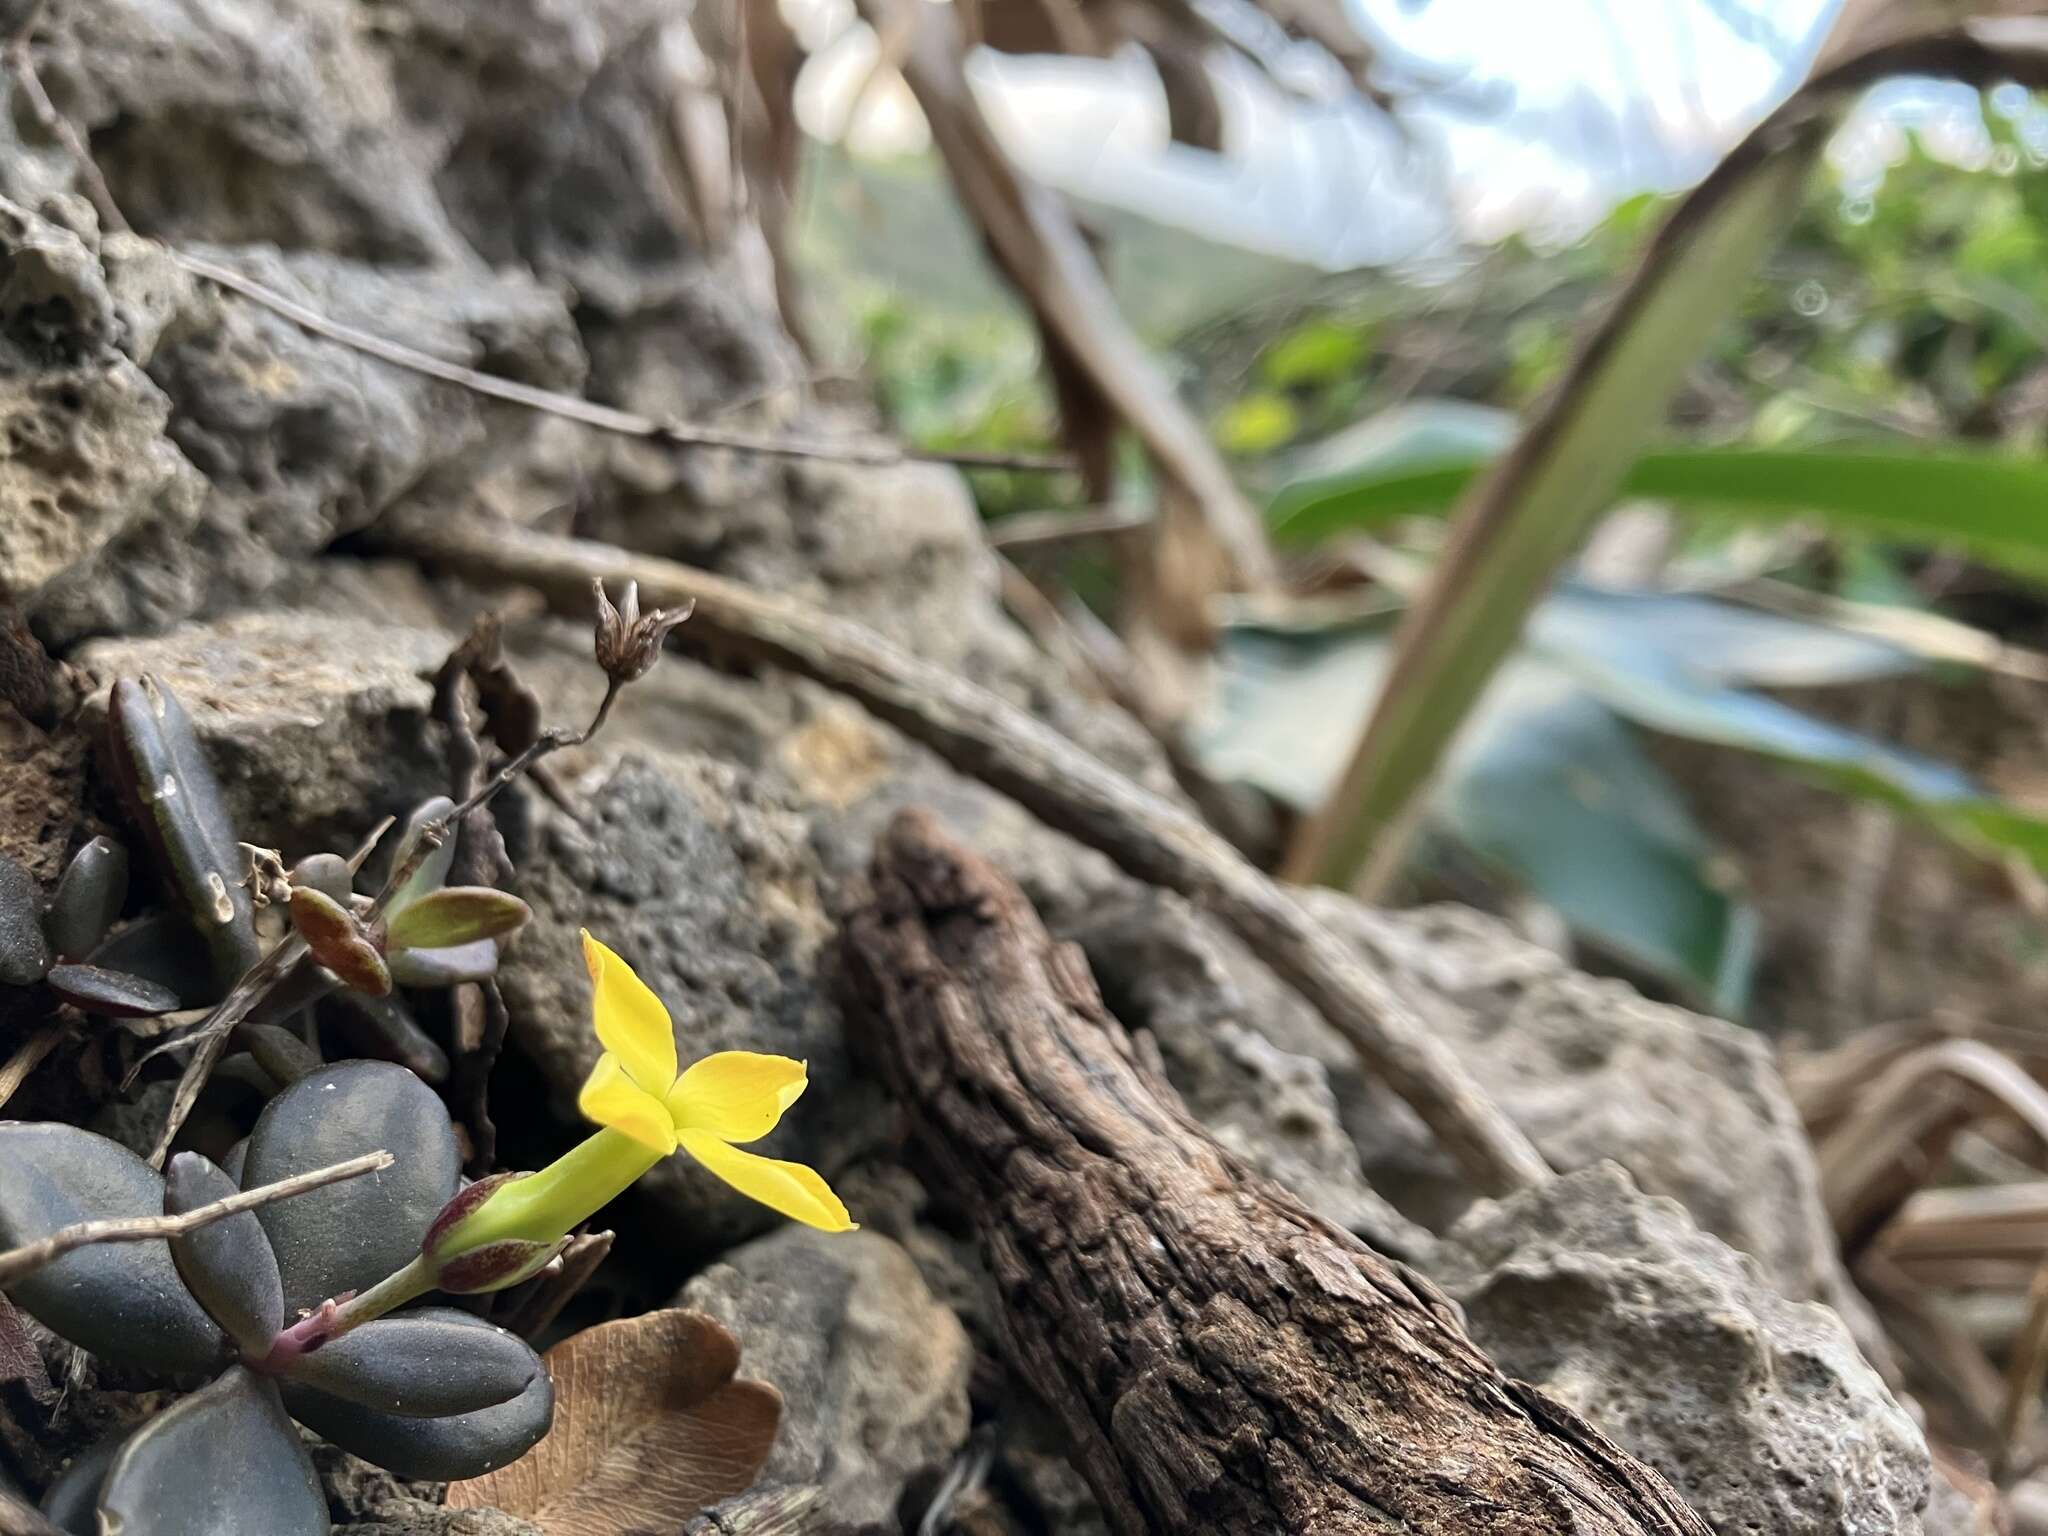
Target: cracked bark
[[1224, 1361]]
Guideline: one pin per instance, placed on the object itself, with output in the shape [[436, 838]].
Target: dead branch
[[26, 1058], [1223, 1360], [1207, 538], [1900, 1134], [992, 740], [26, 1260]]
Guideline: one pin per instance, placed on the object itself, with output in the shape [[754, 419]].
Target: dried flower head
[[628, 641]]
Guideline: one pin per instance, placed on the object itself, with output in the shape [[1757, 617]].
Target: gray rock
[[83, 455], [1692, 1107], [316, 726], [1759, 1410], [873, 1372], [212, 123], [299, 439]]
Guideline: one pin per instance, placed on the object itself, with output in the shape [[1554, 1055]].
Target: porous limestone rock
[[1759, 1410], [873, 1372], [315, 726]]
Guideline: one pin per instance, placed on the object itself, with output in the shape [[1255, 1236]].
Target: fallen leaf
[[650, 1427]]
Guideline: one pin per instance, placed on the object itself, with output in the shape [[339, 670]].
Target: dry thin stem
[[219, 1026], [1034, 530], [1900, 1133], [603, 417], [26, 1059], [17, 1519], [56, 124], [2023, 1378], [988, 738], [26, 1260]]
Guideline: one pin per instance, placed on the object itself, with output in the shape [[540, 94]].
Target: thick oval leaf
[[111, 994], [72, 1502], [383, 1028], [351, 1235], [421, 1367], [303, 985], [650, 1427], [462, 914], [462, 1445], [122, 1301], [223, 1462], [327, 873], [24, 953], [174, 798], [227, 1265], [444, 967], [434, 868], [164, 948], [88, 898], [280, 1053], [338, 942]]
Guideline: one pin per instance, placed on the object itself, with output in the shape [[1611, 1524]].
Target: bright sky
[[1539, 115]]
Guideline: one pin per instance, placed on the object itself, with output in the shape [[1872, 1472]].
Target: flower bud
[[467, 1258]]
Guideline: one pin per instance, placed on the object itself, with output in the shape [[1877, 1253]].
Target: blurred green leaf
[[1545, 786], [1313, 353], [1256, 423], [1988, 503], [1548, 785]]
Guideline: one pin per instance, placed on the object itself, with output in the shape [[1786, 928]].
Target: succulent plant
[[58, 943], [426, 1392], [426, 936]]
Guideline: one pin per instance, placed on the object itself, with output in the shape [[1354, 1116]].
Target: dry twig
[[588, 412], [27, 1057], [1206, 539], [992, 740], [26, 1260], [1903, 1127]]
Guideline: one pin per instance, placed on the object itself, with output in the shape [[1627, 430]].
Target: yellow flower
[[500, 1230], [709, 1111]]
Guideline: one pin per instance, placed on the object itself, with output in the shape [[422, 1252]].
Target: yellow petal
[[790, 1188], [612, 1098], [736, 1095], [631, 1023]]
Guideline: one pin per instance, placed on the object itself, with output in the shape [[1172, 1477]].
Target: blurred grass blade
[[1533, 508], [1519, 522], [1984, 503]]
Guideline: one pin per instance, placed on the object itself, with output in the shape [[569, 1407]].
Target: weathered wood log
[[1224, 1361]]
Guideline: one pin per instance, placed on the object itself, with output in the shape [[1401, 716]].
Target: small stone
[[873, 1372], [314, 725]]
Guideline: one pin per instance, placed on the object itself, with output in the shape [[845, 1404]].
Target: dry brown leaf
[[650, 1427], [1208, 539]]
